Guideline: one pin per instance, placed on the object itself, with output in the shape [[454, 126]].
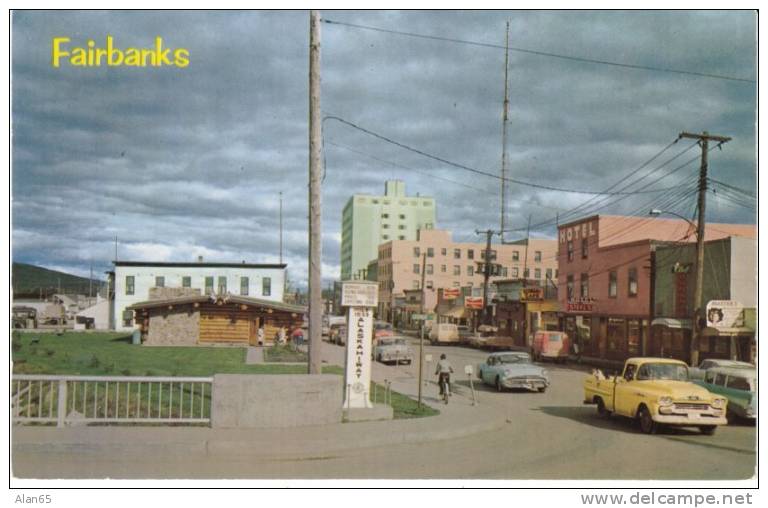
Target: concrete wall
[[269, 401], [173, 328]]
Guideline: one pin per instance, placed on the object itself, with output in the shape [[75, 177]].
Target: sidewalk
[[457, 419]]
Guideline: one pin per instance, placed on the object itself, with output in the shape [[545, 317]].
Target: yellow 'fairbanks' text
[[92, 56]]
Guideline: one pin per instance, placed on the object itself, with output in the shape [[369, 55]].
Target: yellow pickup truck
[[655, 391]]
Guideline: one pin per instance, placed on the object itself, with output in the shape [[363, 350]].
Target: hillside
[[32, 280]]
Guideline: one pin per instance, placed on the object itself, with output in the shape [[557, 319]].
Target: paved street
[[550, 435]]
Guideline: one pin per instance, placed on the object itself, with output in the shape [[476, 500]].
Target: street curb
[[258, 443]]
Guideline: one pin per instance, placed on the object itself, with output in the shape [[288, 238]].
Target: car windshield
[[663, 371], [512, 359]]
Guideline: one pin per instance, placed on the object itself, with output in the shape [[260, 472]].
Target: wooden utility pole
[[315, 210], [698, 314], [421, 328], [487, 267]]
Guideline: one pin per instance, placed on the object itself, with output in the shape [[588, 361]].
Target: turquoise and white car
[[513, 369], [738, 385]]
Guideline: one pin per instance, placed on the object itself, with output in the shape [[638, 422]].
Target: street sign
[[358, 358], [722, 314], [359, 294], [468, 370]]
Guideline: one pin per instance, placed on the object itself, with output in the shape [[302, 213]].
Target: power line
[[541, 53], [733, 188], [471, 169]]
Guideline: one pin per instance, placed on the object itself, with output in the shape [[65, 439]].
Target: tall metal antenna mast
[[505, 120]]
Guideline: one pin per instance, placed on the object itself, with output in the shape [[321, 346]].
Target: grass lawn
[[112, 354]]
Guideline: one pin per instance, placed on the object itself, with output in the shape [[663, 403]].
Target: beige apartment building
[[452, 264]]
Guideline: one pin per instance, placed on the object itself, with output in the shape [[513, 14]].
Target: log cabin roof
[[212, 299]]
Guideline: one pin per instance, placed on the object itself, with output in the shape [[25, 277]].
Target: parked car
[[656, 391], [465, 333], [705, 365], [393, 350], [381, 329], [738, 385], [442, 333], [553, 345], [512, 369]]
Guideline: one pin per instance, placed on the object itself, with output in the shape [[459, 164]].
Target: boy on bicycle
[[444, 371]]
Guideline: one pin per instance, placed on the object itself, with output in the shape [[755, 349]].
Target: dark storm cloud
[[178, 163]]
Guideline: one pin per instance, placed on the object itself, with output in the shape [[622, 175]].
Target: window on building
[[401, 226], [456, 284], [515, 272], [430, 270], [266, 286], [385, 237], [537, 273], [584, 248], [402, 216], [186, 281], [456, 253], [613, 284], [160, 282], [416, 252], [537, 256], [428, 284], [443, 251], [443, 268], [401, 237], [632, 281], [244, 286], [456, 270], [569, 287], [415, 284], [570, 250], [208, 285], [416, 268], [515, 255], [130, 284], [222, 284], [503, 271], [548, 273], [385, 216], [526, 273], [127, 318], [430, 252], [470, 253], [470, 270], [584, 285]]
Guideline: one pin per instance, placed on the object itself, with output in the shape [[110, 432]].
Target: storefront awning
[[726, 332], [673, 323]]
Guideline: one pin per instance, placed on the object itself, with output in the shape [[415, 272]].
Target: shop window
[[613, 284], [615, 333], [721, 345], [632, 281], [633, 336]]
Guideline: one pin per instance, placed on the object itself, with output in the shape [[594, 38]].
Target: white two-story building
[[132, 281]]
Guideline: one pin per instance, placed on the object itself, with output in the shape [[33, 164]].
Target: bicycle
[[446, 388]]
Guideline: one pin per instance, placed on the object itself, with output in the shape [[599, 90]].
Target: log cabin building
[[195, 319]]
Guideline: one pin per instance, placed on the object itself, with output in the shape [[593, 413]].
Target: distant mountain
[[30, 280]]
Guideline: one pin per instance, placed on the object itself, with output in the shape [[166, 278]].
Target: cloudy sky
[[178, 163]]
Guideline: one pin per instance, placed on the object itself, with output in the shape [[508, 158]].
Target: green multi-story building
[[369, 220]]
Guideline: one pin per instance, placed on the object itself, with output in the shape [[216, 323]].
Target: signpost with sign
[[725, 314], [360, 298]]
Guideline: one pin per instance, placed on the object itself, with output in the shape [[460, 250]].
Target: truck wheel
[[708, 430], [542, 389], [647, 425], [499, 388], [601, 409]]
